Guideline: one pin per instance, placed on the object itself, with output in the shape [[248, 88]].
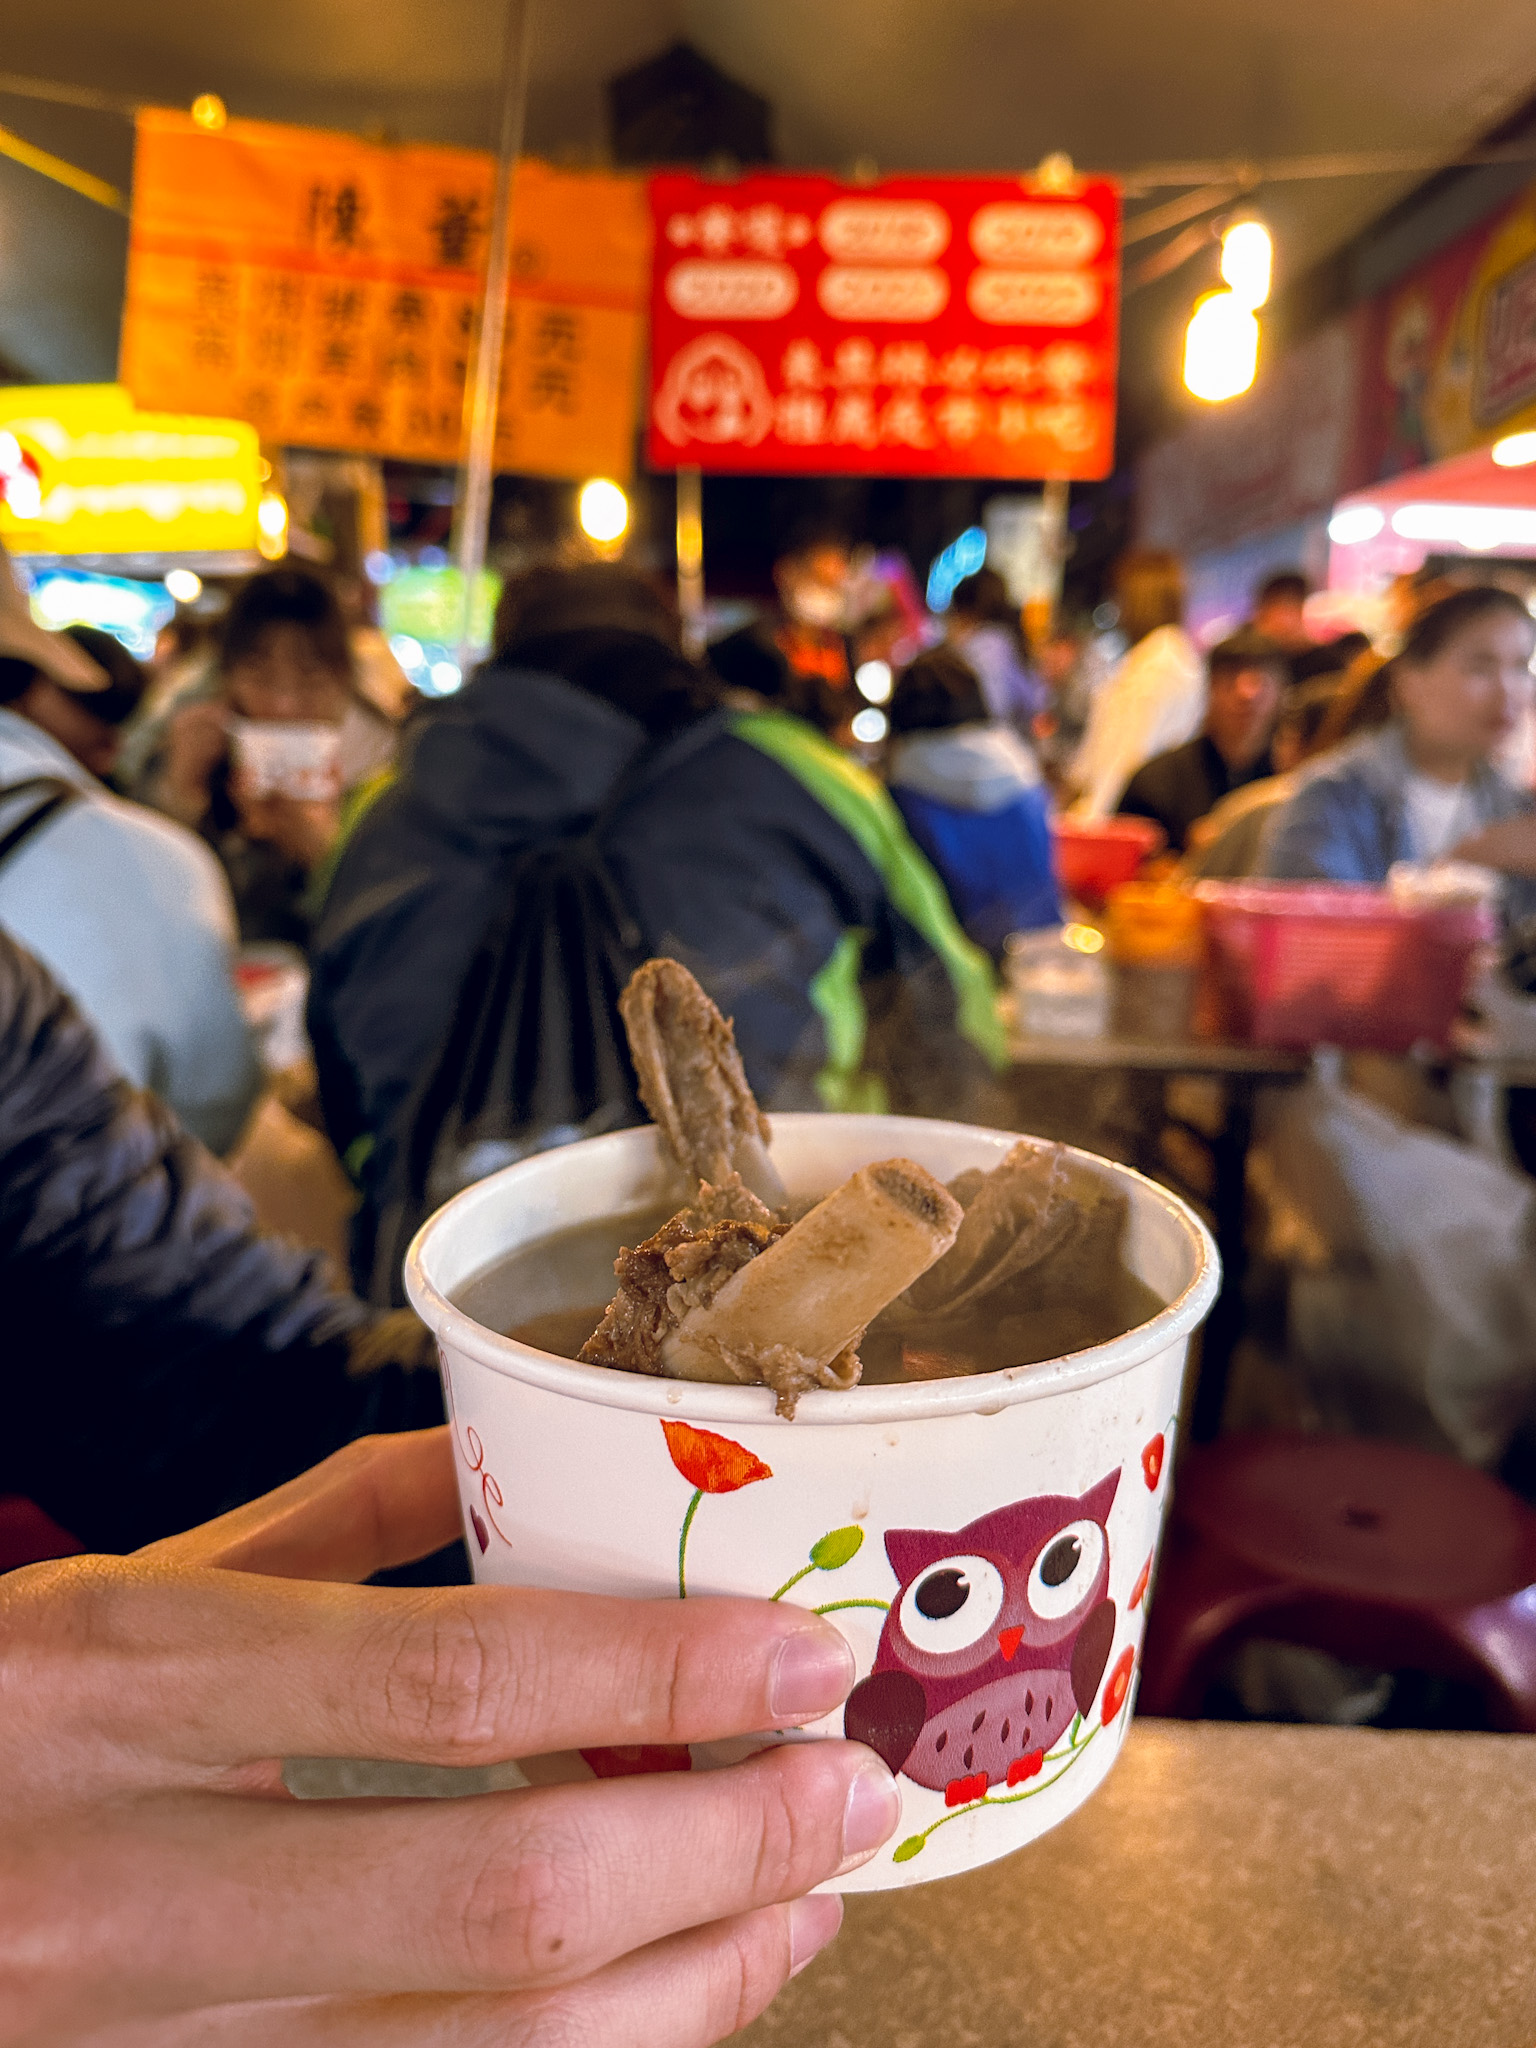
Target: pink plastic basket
[[1305, 963]]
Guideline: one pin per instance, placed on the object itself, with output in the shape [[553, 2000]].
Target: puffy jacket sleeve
[[162, 1360]]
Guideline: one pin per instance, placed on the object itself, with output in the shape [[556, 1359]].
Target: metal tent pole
[[483, 389]]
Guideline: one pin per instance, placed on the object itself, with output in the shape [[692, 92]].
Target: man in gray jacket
[[130, 911]]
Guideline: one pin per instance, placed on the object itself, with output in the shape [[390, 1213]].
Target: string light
[[185, 585], [209, 112]]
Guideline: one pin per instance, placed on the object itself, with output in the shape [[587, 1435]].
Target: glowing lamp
[[209, 112], [603, 511], [1221, 348], [272, 525], [1352, 524], [1514, 451], [1247, 259], [184, 585]]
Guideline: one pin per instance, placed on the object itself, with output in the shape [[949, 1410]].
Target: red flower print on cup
[[1139, 1590], [1025, 1767], [641, 1760], [1152, 1462], [710, 1464], [1116, 1686]]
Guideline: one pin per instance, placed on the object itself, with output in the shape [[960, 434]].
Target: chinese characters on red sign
[[917, 327]]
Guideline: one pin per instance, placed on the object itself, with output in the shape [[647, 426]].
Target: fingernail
[[872, 1811], [812, 1924], [813, 1671]]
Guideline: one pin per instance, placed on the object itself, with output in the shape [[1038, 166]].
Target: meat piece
[[793, 1316], [693, 1083], [1039, 1204], [682, 1267]]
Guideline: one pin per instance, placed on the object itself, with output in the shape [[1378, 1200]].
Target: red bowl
[[1095, 855]]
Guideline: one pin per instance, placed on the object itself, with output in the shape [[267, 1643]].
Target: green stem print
[[837, 1606], [682, 1544], [1066, 1756]]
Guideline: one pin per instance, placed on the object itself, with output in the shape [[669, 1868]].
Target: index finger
[[263, 1667], [380, 1502]]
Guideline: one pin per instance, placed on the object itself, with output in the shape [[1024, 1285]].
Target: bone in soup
[[889, 1276], [555, 1293]]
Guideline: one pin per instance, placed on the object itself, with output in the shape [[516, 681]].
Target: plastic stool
[[28, 1536], [1372, 1552]]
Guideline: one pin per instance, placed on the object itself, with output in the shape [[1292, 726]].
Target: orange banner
[[325, 289]]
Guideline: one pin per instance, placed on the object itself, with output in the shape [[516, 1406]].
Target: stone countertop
[[1239, 1886]]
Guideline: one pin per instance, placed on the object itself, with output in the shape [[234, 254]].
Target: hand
[[198, 740], [303, 830], [1509, 846], [159, 1889]]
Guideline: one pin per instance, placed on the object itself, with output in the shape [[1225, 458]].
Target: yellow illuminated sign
[[83, 472]]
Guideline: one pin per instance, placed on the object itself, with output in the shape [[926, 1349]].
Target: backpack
[[534, 1055]]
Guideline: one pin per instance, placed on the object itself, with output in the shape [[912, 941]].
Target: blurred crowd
[[467, 881], [839, 818]]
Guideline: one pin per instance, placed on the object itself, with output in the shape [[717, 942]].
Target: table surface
[[1471, 1049], [1229, 1887], [1156, 1055]]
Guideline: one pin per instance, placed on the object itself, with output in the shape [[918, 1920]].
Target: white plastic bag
[[1442, 1292]]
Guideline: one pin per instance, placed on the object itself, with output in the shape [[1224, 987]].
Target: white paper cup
[[296, 760], [578, 1477]]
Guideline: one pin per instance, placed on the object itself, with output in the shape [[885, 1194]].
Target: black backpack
[[534, 1054]]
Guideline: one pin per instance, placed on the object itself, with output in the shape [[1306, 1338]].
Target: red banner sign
[[915, 327]]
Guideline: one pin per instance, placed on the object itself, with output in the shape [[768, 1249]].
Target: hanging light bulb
[[1247, 259], [1221, 348], [602, 510]]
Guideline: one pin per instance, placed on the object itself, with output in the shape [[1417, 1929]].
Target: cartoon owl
[[998, 1636]]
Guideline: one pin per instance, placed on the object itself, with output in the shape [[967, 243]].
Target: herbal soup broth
[[552, 1295]]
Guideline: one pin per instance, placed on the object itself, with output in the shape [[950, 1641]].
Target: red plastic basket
[[1306, 963], [1095, 855]]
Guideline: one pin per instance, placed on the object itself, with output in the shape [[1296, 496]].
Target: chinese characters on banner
[[916, 327], [325, 289]]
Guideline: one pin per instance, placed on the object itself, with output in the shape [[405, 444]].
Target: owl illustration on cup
[[997, 1638]]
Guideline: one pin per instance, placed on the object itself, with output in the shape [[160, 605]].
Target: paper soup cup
[[578, 1477]]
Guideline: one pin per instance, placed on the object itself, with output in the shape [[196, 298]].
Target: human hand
[[302, 829], [1509, 846], [158, 1888], [196, 742]]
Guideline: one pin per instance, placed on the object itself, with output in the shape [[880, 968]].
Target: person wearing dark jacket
[[1247, 682], [745, 845], [162, 1361]]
